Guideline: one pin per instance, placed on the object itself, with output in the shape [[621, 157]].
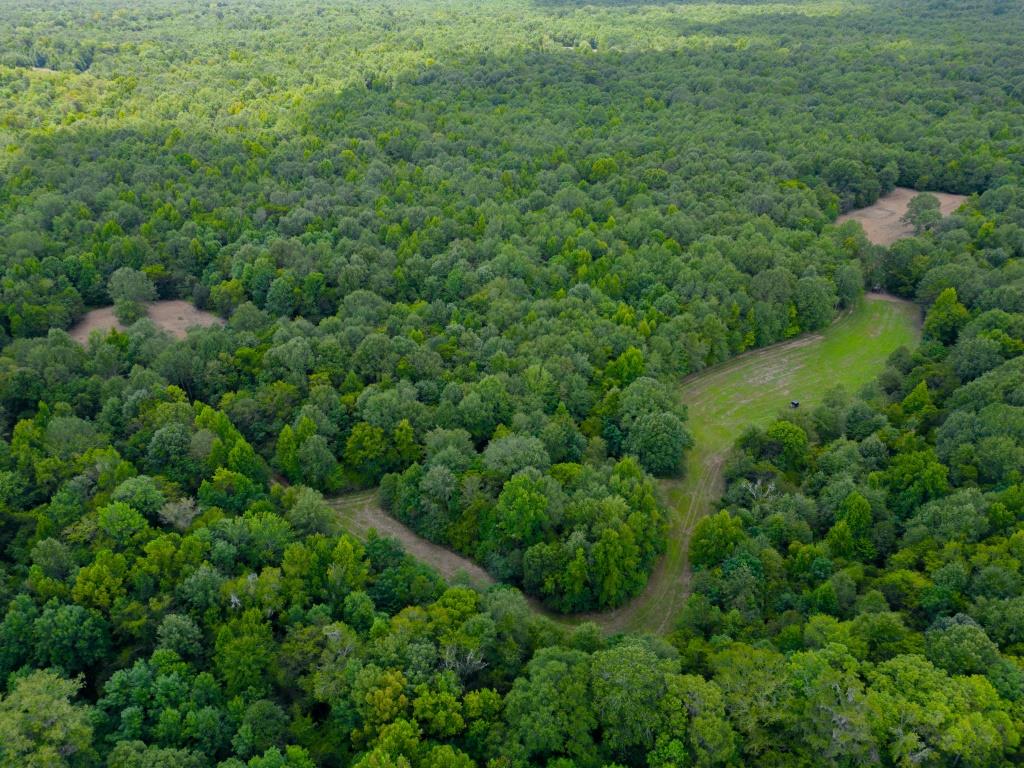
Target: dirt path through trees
[[362, 511], [749, 389]]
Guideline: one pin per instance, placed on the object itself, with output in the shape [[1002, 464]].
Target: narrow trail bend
[[749, 389]]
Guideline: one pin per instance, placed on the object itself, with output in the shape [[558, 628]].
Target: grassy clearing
[[752, 389]]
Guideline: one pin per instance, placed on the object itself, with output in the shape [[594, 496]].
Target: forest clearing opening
[[883, 221], [175, 316]]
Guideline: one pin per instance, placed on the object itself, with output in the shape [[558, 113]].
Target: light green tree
[[40, 727]]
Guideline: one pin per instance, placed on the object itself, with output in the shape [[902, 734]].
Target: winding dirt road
[[361, 512], [749, 389]]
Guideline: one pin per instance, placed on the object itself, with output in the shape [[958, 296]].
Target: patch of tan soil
[[883, 222], [174, 316]]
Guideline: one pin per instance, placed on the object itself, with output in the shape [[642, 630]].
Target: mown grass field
[[752, 389]]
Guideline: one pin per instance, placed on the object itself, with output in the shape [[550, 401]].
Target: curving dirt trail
[[361, 511], [749, 389]]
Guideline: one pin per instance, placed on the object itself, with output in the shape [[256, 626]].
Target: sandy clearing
[[883, 222], [174, 316]]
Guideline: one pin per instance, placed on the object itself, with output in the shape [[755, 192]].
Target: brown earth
[[174, 316], [883, 222], [361, 512]]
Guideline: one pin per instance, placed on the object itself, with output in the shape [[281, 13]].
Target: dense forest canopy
[[465, 251]]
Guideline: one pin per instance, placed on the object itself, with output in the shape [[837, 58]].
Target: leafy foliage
[[882, 529], [465, 251]]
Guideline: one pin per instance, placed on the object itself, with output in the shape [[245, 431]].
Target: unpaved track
[[362, 511], [749, 389]]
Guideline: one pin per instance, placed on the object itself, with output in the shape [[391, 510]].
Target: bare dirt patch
[[174, 316], [883, 222]]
